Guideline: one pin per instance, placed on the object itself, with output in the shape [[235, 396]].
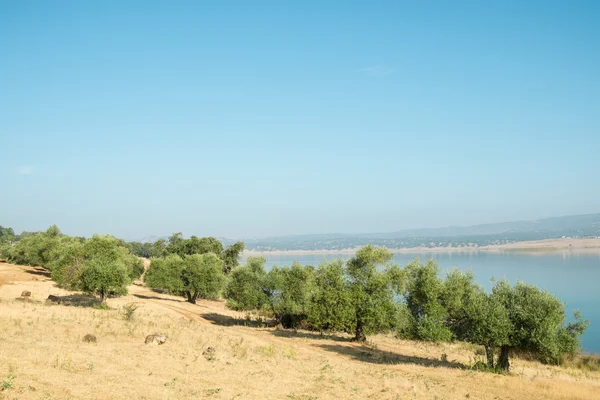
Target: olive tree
[[371, 287], [289, 291], [331, 302], [246, 289], [177, 244], [104, 278], [538, 324], [202, 276], [7, 235], [231, 256], [475, 316], [193, 276], [423, 294]]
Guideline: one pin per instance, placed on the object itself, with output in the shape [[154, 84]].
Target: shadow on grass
[[74, 300], [374, 356], [225, 320]]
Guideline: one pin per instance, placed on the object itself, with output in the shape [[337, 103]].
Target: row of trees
[[105, 265], [365, 295], [102, 264], [368, 294]]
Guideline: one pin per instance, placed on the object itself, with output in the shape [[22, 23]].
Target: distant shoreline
[[533, 247]]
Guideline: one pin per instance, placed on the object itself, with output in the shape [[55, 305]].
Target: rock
[[53, 299], [89, 338], [25, 293], [209, 353], [155, 339]]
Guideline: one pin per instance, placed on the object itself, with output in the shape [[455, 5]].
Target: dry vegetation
[[43, 356]]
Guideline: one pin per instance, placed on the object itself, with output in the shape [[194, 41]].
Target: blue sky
[[244, 119]]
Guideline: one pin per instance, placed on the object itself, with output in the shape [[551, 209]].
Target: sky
[[257, 118]]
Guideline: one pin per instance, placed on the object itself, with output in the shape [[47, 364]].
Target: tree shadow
[[141, 296], [375, 356], [39, 271], [290, 333], [74, 300], [226, 320]]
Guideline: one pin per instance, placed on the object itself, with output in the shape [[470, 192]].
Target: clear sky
[[255, 118]]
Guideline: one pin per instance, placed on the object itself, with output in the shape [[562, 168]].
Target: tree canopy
[[368, 294], [177, 244], [192, 276]]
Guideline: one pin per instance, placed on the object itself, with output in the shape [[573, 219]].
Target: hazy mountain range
[[475, 235]]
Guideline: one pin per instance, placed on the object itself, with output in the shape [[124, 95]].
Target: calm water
[[573, 277]]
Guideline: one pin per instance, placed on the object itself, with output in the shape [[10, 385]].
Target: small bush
[[7, 383], [129, 311], [89, 338]]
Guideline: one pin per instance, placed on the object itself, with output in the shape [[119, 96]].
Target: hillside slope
[[42, 356]]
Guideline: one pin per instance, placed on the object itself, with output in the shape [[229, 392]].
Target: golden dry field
[[43, 356]]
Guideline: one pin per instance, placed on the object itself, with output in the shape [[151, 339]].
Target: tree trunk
[[503, 362], [102, 296], [191, 298], [489, 354], [360, 332]]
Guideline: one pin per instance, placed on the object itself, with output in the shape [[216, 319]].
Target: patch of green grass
[[7, 383], [171, 383]]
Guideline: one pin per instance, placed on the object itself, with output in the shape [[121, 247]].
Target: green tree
[[231, 256], [246, 287], [203, 245], [109, 249], [423, 294], [35, 248], [202, 276], [177, 244], [538, 324], [480, 318], [331, 307], [165, 273], [104, 278], [71, 254], [290, 290], [159, 248], [194, 276], [140, 249], [68, 262], [371, 291], [7, 235]]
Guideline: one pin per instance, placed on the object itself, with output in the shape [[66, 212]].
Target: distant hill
[[455, 236]]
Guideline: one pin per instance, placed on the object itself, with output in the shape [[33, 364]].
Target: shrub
[[129, 311]]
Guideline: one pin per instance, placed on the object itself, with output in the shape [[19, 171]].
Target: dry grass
[[42, 356]]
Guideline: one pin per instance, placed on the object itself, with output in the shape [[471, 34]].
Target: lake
[[574, 277]]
